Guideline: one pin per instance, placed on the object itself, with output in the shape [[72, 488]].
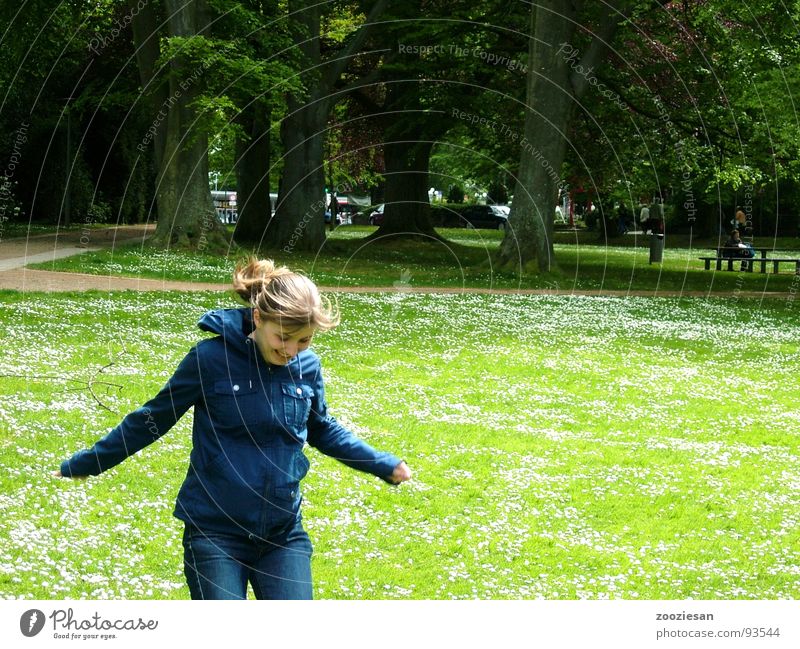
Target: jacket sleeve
[[143, 426], [331, 438]]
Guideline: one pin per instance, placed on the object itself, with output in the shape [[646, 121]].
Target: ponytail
[[281, 295]]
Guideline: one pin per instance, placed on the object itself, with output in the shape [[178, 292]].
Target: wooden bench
[[750, 262]]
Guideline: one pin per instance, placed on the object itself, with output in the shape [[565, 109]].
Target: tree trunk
[[407, 155], [148, 50], [407, 212], [549, 101], [299, 222], [252, 177], [186, 216], [556, 80]]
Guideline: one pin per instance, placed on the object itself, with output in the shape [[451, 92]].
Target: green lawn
[[563, 447], [584, 263]]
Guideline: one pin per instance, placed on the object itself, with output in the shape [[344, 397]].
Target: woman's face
[[278, 344]]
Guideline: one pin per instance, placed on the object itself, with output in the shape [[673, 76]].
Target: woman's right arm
[[141, 427]]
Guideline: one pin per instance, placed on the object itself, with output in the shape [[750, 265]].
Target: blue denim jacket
[[251, 421]]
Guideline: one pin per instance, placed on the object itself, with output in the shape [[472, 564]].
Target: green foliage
[[338, 21], [99, 212], [228, 66], [455, 194], [73, 62]]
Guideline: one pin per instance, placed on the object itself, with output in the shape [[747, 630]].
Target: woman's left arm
[[331, 438]]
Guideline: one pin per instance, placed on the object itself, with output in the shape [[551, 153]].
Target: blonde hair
[[282, 296]]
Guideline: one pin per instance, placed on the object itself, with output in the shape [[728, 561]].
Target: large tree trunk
[[186, 216], [407, 212], [300, 215], [407, 157], [553, 87], [148, 50], [252, 177], [549, 101], [299, 222]]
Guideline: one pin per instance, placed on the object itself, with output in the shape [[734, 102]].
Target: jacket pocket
[[296, 406], [284, 502], [236, 402]]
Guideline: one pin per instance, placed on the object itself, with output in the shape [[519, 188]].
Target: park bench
[[749, 263]]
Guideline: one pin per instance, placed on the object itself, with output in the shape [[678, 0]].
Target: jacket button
[[235, 388], [299, 391]]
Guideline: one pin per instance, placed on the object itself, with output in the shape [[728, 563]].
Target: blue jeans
[[219, 566]]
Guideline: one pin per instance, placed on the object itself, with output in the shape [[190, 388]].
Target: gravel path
[[22, 250], [17, 253]]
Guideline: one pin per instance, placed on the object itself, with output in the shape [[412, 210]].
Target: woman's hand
[[57, 474], [400, 474]]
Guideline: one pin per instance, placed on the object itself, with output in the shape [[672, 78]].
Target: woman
[[258, 396]]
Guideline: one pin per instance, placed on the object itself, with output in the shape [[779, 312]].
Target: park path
[[16, 253]]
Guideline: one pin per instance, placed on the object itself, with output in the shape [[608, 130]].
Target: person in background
[[644, 218], [740, 219], [622, 219], [737, 249]]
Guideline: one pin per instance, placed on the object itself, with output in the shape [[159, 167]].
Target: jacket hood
[[234, 325]]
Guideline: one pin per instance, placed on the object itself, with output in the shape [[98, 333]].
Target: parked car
[[376, 216], [491, 217]]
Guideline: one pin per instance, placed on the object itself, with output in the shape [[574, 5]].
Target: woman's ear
[[256, 317]]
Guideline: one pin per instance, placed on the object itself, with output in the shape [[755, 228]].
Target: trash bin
[[656, 248]]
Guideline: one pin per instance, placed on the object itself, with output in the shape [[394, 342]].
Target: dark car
[[376, 216], [485, 216]]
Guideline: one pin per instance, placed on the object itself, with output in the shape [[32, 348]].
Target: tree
[[244, 95], [68, 92], [430, 78], [406, 152], [700, 111], [252, 154], [553, 88], [172, 81], [299, 221]]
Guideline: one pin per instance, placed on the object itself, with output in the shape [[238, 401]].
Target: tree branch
[[598, 48], [337, 68], [82, 383], [367, 80]]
